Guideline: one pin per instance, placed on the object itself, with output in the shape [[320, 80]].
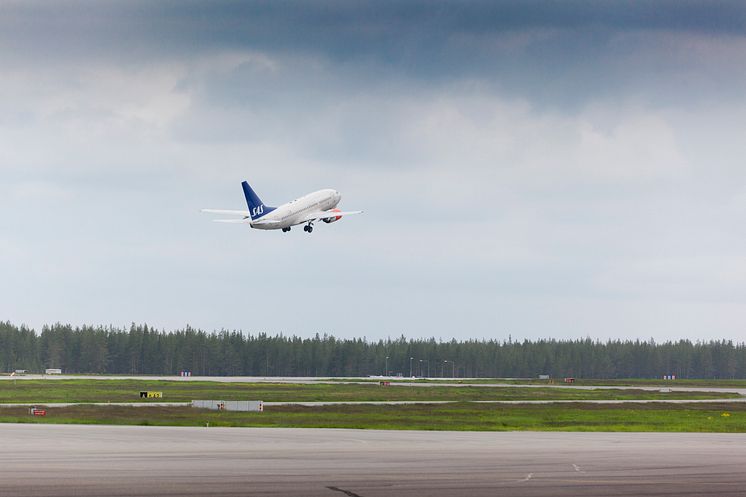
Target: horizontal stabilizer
[[227, 212], [232, 221]]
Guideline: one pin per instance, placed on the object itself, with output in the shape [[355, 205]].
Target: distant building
[[543, 376], [52, 371]]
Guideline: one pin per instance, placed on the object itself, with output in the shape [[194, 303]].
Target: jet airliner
[[316, 206]]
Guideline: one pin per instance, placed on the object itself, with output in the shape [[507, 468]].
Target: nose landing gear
[[285, 230]]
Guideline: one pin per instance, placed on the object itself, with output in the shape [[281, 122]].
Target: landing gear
[[308, 228], [285, 230]]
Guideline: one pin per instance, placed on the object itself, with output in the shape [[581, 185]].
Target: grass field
[[91, 390], [649, 382], [629, 382], [624, 382], [460, 416]]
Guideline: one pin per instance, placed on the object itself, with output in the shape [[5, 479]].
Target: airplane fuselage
[[294, 212]]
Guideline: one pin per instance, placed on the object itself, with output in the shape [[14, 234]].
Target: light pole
[[428, 366], [410, 366], [386, 373], [453, 363]]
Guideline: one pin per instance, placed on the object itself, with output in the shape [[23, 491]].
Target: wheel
[[306, 228], [310, 229]]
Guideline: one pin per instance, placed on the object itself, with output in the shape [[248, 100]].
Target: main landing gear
[[308, 228], [285, 230]]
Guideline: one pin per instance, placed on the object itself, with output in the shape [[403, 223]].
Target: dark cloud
[[554, 53], [395, 31]]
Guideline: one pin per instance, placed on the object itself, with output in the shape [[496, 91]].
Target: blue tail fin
[[256, 207]]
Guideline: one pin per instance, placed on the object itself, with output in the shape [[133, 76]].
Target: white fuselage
[[295, 211]]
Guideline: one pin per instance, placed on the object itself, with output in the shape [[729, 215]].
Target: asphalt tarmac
[[74, 460]]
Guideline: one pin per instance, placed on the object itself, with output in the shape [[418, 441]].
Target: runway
[[73, 460], [364, 380]]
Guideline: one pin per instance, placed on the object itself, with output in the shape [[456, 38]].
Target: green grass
[[668, 383], [458, 416], [92, 390], [625, 382]]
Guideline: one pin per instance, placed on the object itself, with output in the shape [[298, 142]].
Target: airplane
[[316, 206]]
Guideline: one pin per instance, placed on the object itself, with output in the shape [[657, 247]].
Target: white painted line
[[528, 477]]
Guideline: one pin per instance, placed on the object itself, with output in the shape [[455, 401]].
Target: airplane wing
[[327, 214], [228, 212]]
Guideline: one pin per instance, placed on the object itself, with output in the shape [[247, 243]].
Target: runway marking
[[628, 482], [528, 477], [346, 492], [577, 468]]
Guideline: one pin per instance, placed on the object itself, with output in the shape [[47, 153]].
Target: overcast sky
[[533, 168]]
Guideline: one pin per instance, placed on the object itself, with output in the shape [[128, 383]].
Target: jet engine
[[328, 220]]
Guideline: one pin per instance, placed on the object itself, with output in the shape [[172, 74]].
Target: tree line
[[144, 350]]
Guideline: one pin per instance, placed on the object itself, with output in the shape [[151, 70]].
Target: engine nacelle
[[328, 220]]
